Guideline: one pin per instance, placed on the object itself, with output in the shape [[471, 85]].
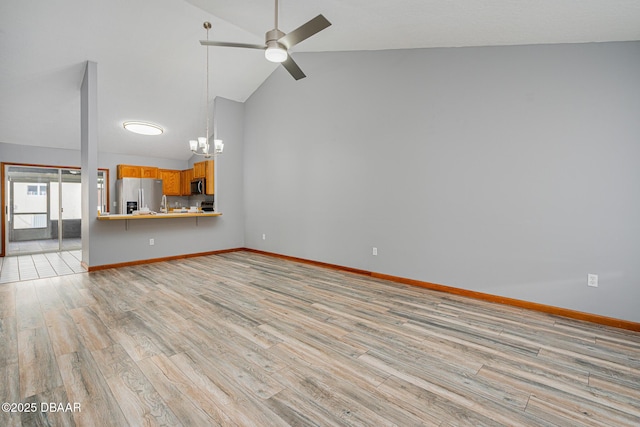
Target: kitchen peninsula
[[187, 214], [171, 215]]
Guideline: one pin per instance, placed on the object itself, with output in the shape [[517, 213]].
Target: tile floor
[[36, 266], [44, 245]]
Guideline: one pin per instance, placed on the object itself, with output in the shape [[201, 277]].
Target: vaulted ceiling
[[151, 66]]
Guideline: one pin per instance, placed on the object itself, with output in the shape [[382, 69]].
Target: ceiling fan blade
[[290, 65], [304, 31], [232, 44]]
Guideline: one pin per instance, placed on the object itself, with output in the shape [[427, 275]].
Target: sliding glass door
[[66, 209], [44, 206], [44, 210]]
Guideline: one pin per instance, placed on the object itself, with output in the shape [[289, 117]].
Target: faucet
[[163, 204]]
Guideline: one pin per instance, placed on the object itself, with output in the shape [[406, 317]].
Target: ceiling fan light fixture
[[277, 44], [143, 128], [275, 52]]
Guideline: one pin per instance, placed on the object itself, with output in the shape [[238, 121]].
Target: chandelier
[[202, 146]]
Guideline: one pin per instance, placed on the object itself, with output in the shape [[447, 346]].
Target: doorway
[[44, 208]]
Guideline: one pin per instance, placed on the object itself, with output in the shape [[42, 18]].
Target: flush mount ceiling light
[[143, 128]]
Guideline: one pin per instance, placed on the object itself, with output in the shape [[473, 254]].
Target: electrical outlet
[[152, 242], [592, 280], [374, 251], [264, 237]]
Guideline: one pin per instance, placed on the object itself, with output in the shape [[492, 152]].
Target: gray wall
[[26, 154], [507, 170], [172, 237]]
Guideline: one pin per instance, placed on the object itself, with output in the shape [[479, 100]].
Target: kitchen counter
[[117, 217]]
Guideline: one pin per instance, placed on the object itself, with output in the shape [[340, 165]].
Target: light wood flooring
[[243, 339]]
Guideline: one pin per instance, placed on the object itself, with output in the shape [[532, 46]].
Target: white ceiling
[[152, 67]]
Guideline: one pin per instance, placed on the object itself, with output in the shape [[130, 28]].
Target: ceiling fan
[[278, 43]]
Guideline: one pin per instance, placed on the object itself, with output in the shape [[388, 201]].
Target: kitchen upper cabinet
[[148, 172], [200, 169], [205, 170], [185, 179], [209, 177], [171, 180], [131, 171], [128, 171]]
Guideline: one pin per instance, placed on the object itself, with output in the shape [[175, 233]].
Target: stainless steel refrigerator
[[137, 193]]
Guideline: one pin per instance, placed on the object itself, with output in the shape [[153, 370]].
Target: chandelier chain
[[208, 27]]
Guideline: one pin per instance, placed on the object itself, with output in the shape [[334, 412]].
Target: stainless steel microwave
[[198, 186]]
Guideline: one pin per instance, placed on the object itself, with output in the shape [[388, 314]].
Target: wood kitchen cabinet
[[209, 177], [128, 171], [171, 181], [200, 169], [185, 181], [205, 170], [131, 171], [148, 172]]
